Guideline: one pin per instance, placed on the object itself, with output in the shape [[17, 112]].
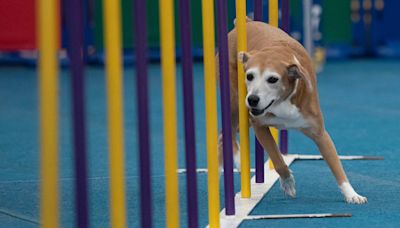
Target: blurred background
[[340, 29]]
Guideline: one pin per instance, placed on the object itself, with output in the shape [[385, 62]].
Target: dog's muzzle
[[256, 112]]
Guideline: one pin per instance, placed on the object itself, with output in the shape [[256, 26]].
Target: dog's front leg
[[264, 136], [328, 152]]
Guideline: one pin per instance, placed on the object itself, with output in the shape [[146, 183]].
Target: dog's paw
[[350, 195], [356, 199], [288, 185]]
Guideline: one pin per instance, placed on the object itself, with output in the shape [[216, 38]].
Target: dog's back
[[261, 36]]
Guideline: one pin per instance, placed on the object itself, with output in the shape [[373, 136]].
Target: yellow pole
[[112, 33], [210, 90], [169, 96], [243, 112], [273, 12], [273, 21], [47, 19]]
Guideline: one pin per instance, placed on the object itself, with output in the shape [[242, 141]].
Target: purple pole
[[143, 111], [283, 146], [283, 142], [258, 13], [259, 162], [225, 107], [259, 149], [74, 25], [188, 101], [285, 15]]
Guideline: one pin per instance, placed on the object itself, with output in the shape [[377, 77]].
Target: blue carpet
[[360, 101]]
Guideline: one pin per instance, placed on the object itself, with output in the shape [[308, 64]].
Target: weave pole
[[285, 9], [143, 111], [74, 23], [308, 41], [112, 34], [225, 107], [169, 102], [273, 18], [273, 13], [258, 13], [284, 134], [242, 91], [188, 101], [47, 20], [210, 90]]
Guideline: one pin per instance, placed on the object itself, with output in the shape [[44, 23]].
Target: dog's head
[[270, 78]]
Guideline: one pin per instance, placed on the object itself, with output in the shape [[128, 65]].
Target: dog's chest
[[284, 115]]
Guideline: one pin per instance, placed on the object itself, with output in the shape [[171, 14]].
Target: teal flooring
[[360, 100]]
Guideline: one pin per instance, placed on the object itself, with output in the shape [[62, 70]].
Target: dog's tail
[[247, 20]]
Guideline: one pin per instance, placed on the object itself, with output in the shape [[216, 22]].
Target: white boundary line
[[341, 157], [294, 216]]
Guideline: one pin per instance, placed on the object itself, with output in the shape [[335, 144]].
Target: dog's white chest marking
[[286, 115]]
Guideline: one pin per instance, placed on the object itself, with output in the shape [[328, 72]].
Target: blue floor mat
[[361, 106]]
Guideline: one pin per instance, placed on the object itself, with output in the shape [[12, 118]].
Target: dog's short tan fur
[[272, 49]]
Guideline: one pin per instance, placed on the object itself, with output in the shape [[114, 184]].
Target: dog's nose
[[253, 100]]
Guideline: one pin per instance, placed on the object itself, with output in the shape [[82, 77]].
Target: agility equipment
[[169, 105], [225, 106], [143, 110], [48, 99], [243, 112], [112, 33], [210, 91], [237, 207], [75, 46]]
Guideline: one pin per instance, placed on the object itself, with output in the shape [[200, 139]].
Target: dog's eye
[[250, 77], [272, 80]]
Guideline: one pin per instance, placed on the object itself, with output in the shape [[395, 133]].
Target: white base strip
[[294, 216], [258, 190], [341, 157], [205, 170]]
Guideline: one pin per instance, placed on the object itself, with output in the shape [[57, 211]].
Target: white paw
[[350, 195], [288, 185], [356, 199]]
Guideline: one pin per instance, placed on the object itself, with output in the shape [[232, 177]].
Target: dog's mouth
[[257, 112]]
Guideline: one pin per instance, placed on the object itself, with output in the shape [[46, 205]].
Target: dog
[[281, 92]]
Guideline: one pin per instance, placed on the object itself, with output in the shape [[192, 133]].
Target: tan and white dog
[[282, 93]]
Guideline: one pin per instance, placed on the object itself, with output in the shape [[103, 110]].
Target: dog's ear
[[243, 57], [296, 71]]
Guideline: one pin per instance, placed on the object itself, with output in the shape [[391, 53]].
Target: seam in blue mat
[[20, 217]]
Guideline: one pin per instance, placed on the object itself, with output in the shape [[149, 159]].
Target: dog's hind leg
[[235, 143], [328, 152], [264, 136], [235, 148]]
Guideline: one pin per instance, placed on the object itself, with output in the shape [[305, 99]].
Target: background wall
[[347, 28]]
